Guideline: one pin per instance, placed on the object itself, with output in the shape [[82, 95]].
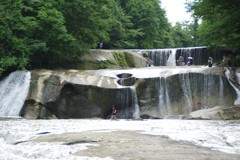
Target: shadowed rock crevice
[[127, 81], [124, 75]]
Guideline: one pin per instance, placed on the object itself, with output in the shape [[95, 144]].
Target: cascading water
[[159, 56], [136, 113], [204, 89], [13, 91], [187, 92], [196, 53], [228, 74], [127, 81], [168, 57], [164, 105], [128, 104], [172, 58], [178, 95]]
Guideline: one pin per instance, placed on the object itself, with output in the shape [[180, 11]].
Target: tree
[[181, 36], [87, 20], [148, 17], [32, 31], [221, 23], [122, 34]]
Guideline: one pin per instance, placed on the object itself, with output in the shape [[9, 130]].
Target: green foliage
[[33, 32], [87, 20], [111, 62], [103, 66], [55, 34], [45, 79], [120, 59], [221, 23], [149, 19], [129, 59], [181, 36]]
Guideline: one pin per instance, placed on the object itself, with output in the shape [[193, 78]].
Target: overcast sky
[[175, 10]]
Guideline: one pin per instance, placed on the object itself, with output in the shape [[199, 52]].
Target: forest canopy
[[45, 34], [220, 22]]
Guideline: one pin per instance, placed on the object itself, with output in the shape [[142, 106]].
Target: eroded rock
[[217, 113]]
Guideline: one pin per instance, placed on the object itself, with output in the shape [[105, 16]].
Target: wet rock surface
[[217, 113], [161, 92], [126, 145]]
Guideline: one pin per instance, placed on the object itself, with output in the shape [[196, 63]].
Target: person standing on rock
[[114, 112], [180, 60], [101, 45], [210, 62]]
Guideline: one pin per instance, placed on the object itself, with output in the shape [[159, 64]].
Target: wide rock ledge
[[217, 113]]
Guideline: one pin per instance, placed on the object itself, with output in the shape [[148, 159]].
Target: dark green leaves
[[221, 23]]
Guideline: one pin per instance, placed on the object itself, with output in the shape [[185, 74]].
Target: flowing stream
[[234, 78], [16, 135], [136, 113], [13, 91], [164, 100], [171, 61]]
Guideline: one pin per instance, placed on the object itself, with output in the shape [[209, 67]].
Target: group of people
[[190, 61], [180, 61]]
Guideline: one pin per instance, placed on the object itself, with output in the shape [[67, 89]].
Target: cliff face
[[114, 59], [155, 92], [54, 93]]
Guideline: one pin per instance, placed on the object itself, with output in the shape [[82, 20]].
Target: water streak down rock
[[161, 92]]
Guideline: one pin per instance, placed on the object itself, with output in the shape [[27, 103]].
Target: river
[[15, 135]]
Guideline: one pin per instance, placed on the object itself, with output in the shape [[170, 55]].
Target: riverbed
[[77, 139]]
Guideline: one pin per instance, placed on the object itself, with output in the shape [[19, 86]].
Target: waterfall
[[13, 91], [172, 58], [127, 81], [136, 113], [168, 57], [237, 73], [234, 84], [185, 82], [195, 52], [164, 105], [159, 56], [204, 89]]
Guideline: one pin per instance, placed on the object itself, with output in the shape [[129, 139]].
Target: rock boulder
[[217, 113]]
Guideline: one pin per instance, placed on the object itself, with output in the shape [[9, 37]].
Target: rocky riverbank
[[95, 139], [132, 145]]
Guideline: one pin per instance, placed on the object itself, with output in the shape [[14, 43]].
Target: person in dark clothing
[[114, 112], [210, 63], [229, 63]]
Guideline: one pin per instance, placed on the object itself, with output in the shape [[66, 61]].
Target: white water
[[136, 113], [221, 91], [217, 135], [172, 58], [227, 73], [187, 92], [13, 91], [164, 101]]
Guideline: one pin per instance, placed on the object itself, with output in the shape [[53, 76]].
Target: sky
[[175, 10]]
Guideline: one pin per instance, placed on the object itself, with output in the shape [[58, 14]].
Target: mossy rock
[[129, 59], [120, 59]]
